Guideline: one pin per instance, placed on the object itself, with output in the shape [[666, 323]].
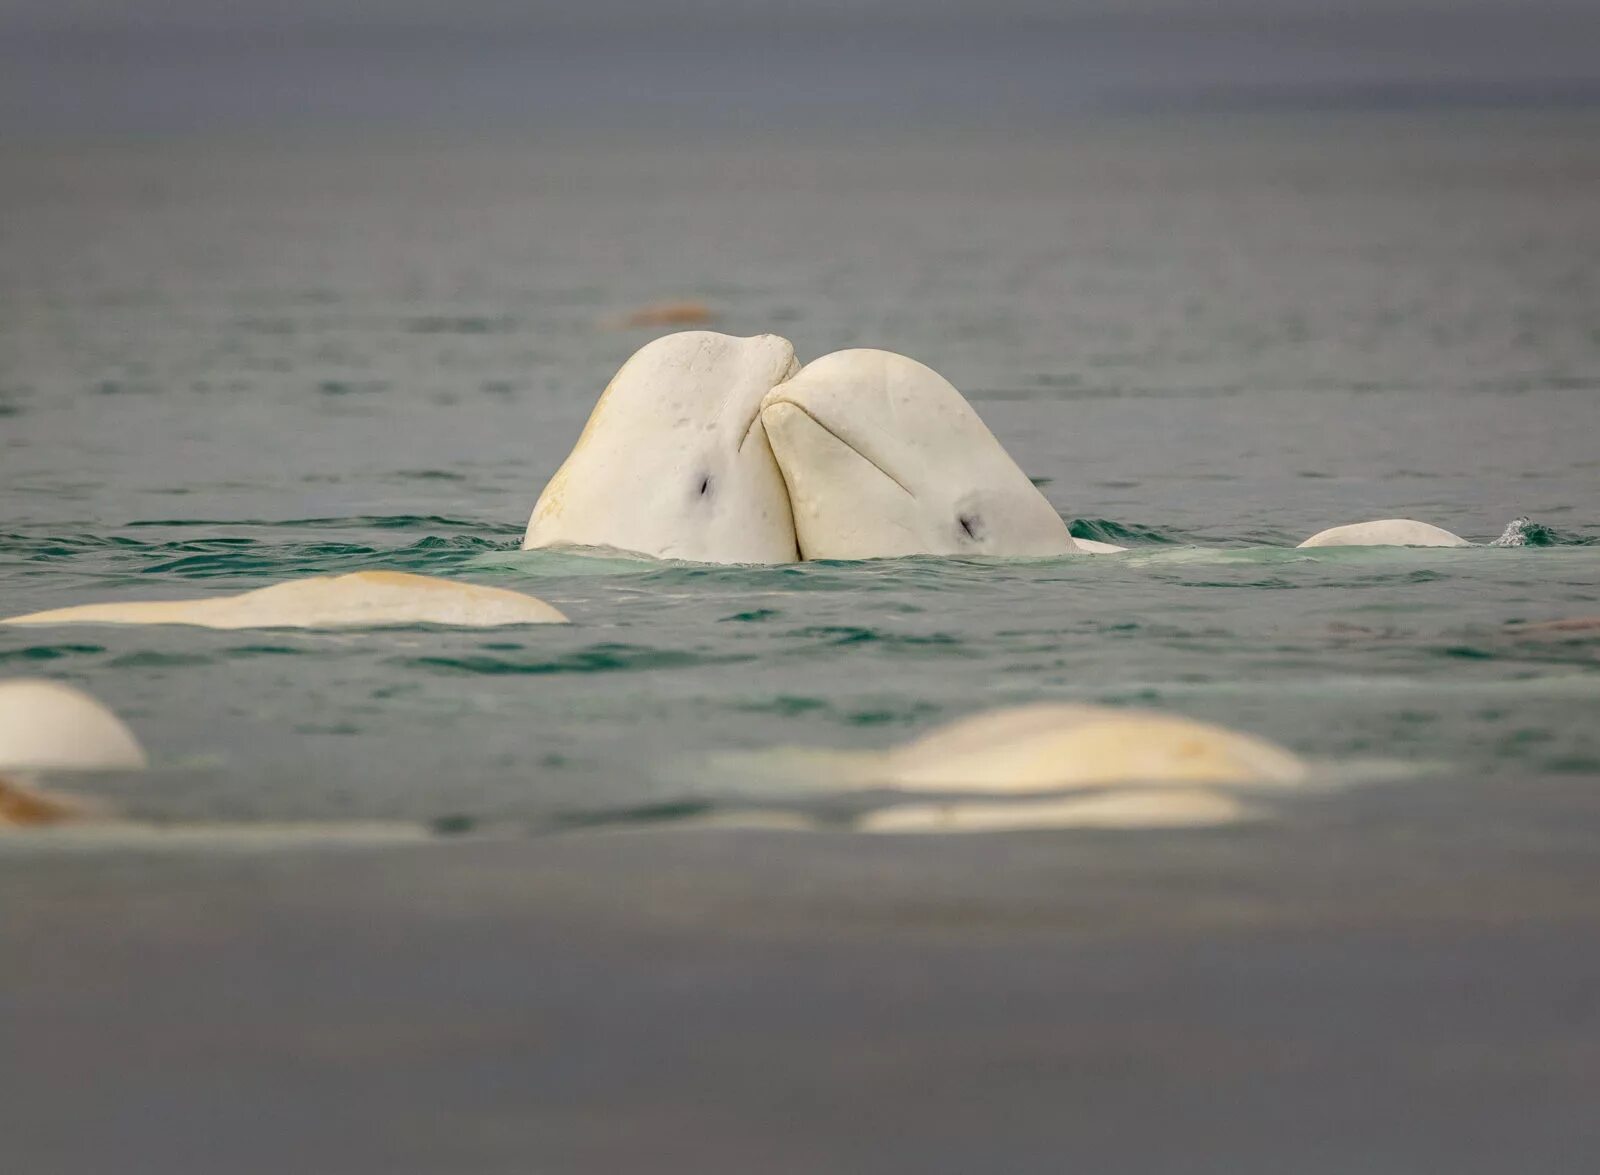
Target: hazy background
[[102, 66]]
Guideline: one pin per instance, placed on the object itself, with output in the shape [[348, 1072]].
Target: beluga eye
[[972, 525], [705, 484]]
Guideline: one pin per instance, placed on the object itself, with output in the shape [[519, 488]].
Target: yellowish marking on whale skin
[[26, 807], [361, 599]]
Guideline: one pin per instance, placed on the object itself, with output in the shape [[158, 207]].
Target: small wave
[[837, 635], [605, 658], [245, 557], [48, 652], [566, 561], [1105, 530], [343, 522], [1524, 532]]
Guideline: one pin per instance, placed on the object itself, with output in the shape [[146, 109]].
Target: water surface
[[226, 364]]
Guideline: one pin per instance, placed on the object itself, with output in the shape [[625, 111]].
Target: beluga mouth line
[[883, 458], [768, 406]]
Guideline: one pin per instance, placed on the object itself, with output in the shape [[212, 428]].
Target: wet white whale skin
[[882, 457], [673, 462]]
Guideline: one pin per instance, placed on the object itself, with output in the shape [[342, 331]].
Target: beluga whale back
[[883, 457], [361, 599], [1386, 532], [673, 461]]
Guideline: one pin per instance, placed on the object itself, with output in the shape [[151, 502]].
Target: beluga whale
[[46, 726], [1386, 532], [883, 457], [673, 461], [1044, 765], [361, 599]]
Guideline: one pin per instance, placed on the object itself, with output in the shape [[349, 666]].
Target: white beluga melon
[[1386, 532], [883, 457], [361, 599], [673, 461]]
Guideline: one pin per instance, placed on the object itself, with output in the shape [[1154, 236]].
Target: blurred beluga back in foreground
[[48, 726]]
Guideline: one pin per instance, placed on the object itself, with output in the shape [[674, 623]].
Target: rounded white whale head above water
[[883, 457], [673, 461]]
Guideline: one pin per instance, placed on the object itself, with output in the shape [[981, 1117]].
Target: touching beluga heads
[[883, 457], [674, 462]]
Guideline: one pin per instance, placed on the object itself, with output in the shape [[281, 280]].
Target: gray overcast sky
[[101, 66]]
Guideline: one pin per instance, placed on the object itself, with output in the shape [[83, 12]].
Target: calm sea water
[[225, 364]]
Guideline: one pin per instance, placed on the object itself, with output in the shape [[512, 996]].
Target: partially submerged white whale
[[1059, 747], [673, 461], [1121, 768], [1386, 532], [46, 726], [361, 599], [883, 457], [1044, 765]]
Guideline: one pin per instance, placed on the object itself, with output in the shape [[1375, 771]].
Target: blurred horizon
[[94, 67]]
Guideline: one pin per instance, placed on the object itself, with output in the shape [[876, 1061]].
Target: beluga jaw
[[674, 462], [883, 457]]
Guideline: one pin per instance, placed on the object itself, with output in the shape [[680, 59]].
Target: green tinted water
[[224, 365]]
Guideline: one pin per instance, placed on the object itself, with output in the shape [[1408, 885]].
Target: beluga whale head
[[674, 462], [883, 457]]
